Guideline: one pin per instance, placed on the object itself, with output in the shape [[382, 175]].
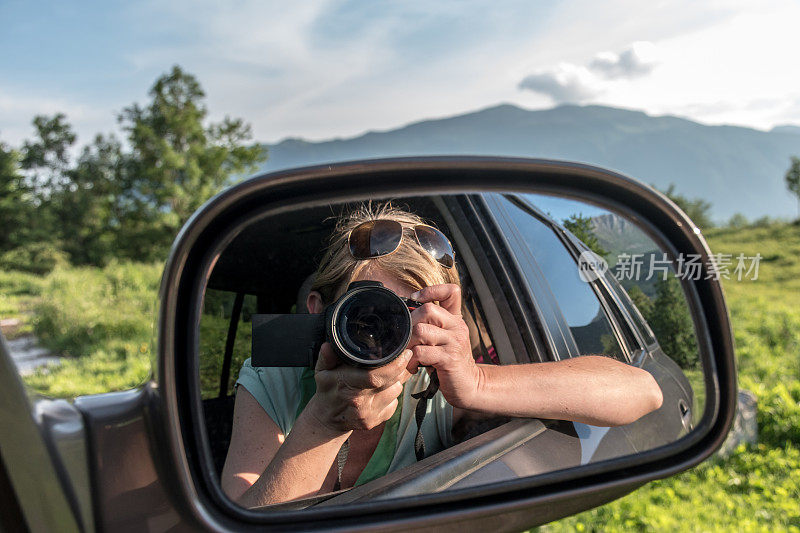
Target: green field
[[102, 321]]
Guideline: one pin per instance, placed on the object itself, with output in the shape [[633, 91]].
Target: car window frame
[[627, 351], [616, 292], [619, 313], [615, 311], [532, 285]]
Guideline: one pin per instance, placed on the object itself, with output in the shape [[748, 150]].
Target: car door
[[593, 316]]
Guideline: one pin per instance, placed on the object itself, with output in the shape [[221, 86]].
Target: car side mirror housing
[[198, 255]]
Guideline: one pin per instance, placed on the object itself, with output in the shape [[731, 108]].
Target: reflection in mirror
[[560, 337]]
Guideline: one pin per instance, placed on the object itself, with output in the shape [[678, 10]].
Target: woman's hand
[[440, 339], [350, 398]]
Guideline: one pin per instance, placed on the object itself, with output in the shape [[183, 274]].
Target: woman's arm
[[263, 467], [592, 389]]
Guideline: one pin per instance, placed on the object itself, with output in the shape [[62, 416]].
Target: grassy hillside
[[101, 320]]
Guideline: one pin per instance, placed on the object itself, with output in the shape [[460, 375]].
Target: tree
[[583, 229], [14, 206], [88, 210], [793, 180], [25, 242], [176, 162], [45, 162], [738, 221], [46, 159], [642, 302], [697, 209], [117, 202], [672, 324]]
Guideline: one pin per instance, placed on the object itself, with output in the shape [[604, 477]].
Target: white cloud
[[571, 83], [736, 71], [566, 83], [633, 62]]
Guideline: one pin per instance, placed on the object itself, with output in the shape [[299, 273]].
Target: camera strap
[[421, 409]]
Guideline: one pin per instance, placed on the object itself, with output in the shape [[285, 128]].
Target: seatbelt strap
[[230, 341], [476, 318]]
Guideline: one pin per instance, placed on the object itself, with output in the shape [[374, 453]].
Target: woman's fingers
[[367, 408], [388, 394], [380, 377], [426, 356], [388, 411], [436, 315], [448, 295], [327, 359], [425, 333]]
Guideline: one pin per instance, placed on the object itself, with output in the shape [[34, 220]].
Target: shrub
[[18, 291], [36, 258], [755, 489], [778, 412], [103, 320], [88, 307]]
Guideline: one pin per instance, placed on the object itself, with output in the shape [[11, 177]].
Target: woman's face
[[403, 290], [388, 280]]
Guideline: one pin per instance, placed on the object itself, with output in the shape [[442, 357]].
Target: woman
[[291, 426]]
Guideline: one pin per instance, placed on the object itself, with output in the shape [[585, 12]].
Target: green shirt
[[284, 392]]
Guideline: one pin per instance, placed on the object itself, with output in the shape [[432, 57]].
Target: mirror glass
[[569, 342]]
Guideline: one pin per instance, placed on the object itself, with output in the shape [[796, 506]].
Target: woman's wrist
[[317, 412], [473, 399]]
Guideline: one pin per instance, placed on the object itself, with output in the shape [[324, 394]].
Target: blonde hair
[[410, 263]]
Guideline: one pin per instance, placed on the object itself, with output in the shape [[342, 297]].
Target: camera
[[368, 326]]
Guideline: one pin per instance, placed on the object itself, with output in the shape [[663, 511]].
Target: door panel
[[130, 494], [41, 484]]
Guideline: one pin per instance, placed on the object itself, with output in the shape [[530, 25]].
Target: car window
[[215, 324], [587, 321], [633, 311]]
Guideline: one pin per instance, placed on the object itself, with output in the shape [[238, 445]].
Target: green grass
[[753, 490], [19, 292], [101, 321], [213, 334]]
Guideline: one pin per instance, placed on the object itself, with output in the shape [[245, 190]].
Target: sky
[[326, 69]]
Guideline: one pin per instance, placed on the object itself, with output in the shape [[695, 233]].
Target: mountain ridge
[[738, 169]]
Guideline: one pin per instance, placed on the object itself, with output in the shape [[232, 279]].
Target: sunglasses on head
[[376, 238]]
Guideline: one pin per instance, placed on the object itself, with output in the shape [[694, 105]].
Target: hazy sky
[[336, 68]]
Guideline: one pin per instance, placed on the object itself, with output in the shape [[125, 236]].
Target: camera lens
[[372, 326]]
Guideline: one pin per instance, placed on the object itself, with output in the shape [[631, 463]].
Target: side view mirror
[[539, 247]]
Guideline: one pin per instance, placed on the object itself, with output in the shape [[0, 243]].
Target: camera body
[[368, 326]]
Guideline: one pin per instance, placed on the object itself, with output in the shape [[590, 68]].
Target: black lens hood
[[334, 321]]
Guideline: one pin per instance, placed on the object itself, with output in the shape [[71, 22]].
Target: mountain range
[[737, 169]]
